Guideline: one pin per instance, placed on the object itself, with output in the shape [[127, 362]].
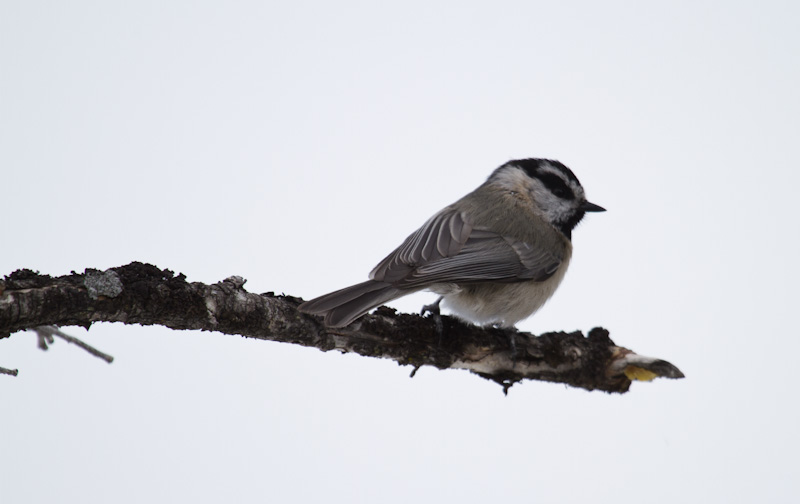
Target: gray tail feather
[[345, 305]]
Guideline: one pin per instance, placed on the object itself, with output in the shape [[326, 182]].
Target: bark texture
[[144, 294]]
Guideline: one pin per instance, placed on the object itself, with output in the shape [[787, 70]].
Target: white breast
[[501, 303]]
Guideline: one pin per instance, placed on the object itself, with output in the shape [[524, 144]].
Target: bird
[[494, 256]]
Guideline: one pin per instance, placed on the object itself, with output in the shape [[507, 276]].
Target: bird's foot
[[511, 335], [433, 309]]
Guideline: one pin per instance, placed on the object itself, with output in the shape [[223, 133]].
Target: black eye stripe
[[556, 185]]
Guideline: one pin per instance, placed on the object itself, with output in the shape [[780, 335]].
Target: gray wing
[[447, 249], [444, 235]]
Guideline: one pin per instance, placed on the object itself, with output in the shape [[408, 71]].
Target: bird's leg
[[433, 309]]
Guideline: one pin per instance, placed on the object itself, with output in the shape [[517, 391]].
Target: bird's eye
[[556, 185]]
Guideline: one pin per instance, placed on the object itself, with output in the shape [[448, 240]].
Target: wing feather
[[443, 235], [447, 249]]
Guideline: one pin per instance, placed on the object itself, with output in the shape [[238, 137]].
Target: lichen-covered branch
[[144, 294]]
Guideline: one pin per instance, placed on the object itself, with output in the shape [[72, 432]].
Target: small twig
[[44, 338], [46, 333], [12, 372]]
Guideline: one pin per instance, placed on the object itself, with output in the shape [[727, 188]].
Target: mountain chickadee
[[495, 256]]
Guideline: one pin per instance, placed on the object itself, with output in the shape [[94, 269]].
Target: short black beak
[[591, 207]]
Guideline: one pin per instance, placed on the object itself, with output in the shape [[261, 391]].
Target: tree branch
[[143, 294]]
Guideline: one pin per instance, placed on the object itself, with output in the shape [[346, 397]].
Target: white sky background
[[297, 144]]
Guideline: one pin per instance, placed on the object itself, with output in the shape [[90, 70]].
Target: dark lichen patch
[[286, 297], [26, 279]]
